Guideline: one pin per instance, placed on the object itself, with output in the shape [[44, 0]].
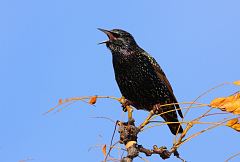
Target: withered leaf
[[237, 82], [60, 101], [231, 122], [237, 111], [229, 104], [236, 127], [93, 100], [217, 102], [104, 150]]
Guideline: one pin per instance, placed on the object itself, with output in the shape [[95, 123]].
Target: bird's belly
[[140, 88]]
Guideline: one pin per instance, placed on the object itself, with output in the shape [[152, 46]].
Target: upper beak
[[108, 33]]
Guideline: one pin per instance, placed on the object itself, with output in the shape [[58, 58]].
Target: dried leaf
[[237, 95], [60, 101], [234, 123], [237, 111], [229, 106], [237, 82], [236, 127], [230, 98], [93, 100], [217, 102], [231, 122], [104, 150]]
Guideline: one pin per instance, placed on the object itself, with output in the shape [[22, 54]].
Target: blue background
[[49, 50]]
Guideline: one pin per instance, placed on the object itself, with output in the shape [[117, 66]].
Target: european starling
[[140, 79]]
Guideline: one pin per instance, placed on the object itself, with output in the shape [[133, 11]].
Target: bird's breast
[[137, 81]]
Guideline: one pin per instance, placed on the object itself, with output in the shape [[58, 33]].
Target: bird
[[140, 78]]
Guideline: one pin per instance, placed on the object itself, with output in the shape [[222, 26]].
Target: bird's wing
[[163, 78]]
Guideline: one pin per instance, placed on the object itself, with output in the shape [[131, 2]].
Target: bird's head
[[118, 40]]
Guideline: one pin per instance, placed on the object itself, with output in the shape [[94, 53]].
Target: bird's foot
[[125, 102], [156, 110]]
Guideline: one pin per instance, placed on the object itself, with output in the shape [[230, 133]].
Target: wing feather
[[163, 78]]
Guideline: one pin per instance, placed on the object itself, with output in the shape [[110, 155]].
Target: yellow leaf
[[60, 101], [217, 102], [236, 127], [237, 95], [232, 106], [104, 150], [93, 100], [230, 98], [237, 82], [237, 111], [231, 122], [229, 104]]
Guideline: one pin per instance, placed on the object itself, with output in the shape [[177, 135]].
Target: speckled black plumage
[[139, 77]]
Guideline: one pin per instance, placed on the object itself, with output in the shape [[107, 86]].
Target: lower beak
[[103, 42]]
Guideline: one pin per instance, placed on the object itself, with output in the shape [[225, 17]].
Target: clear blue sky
[[49, 50]]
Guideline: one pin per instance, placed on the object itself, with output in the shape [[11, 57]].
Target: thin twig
[[102, 117], [233, 156], [111, 141], [101, 145], [209, 128], [183, 122], [203, 94]]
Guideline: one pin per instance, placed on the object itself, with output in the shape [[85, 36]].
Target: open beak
[[109, 34]]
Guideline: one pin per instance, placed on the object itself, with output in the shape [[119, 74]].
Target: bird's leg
[[157, 109], [126, 104], [130, 110]]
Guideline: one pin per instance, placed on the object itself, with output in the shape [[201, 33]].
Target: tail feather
[[171, 117], [178, 108], [174, 127]]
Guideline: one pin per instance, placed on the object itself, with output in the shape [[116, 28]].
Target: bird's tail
[[170, 117], [174, 125]]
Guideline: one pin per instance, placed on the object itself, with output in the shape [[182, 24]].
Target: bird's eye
[[116, 35]]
